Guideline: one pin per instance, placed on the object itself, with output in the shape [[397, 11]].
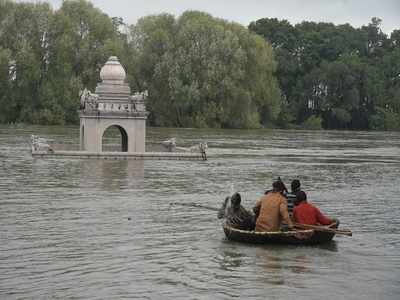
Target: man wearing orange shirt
[[306, 213], [272, 209]]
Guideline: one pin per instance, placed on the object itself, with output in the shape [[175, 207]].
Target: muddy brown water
[[101, 229]]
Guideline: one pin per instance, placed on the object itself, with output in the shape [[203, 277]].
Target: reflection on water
[[330, 246], [113, 174], [91, 229], [230, 260], [272, 266], [301, 263]]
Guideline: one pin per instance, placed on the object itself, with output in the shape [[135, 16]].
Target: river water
[[101, 229]]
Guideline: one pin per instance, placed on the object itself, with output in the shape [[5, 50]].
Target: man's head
[[235, 200], [300, 197], [295, 185], [278, 186]]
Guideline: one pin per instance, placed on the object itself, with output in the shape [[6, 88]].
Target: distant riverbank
[[200, 71]]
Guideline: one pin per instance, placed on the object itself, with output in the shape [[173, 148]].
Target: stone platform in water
[[120, 155]]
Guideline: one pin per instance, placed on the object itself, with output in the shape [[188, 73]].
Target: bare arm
[[222, 210], [321, 218], [285, 214], [256, 209]]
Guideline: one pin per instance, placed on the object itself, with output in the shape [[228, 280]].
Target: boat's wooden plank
[[308, 236]]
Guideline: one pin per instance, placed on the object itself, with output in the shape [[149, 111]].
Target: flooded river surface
[[101, 229]]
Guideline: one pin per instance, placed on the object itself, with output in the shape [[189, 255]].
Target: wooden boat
[[302, 236]]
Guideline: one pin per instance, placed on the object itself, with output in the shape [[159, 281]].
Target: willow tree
[[82, 37], [24, 30], [204, 72], [7, 110]]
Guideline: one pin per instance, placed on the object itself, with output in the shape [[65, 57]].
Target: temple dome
[[113, 71]]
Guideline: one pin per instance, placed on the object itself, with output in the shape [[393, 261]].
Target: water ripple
[[106, 230]]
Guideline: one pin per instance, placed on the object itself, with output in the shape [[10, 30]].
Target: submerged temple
[[113, 105]]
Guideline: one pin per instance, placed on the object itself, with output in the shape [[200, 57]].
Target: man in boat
[[284, 189], [272, 209], [236, 215], [292, 196], [306, 213]]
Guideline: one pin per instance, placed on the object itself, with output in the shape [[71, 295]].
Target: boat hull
[[299, 237]]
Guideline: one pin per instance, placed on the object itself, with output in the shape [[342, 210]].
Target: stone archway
[[82, 142], [112, 134]]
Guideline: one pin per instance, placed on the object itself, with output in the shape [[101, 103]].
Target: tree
[[342, 74], [200, 71], [205, 72], [82, 38], [24, 32], [7, 112], [376, 39]]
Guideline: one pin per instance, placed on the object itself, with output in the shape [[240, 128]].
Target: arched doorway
[[82, 142], [115, 139]]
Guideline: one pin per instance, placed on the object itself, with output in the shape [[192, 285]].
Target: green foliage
[[313, 123], [6, 103], [204, 72], [385, 120], [200, 71], [49, 56], [345, 75]]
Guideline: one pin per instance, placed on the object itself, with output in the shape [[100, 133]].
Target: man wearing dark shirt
[[291, 197], [236, 215]]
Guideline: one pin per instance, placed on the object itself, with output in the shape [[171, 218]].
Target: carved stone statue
[[83, 95], [89, 100], [140, 96], [170, 144], [40, 144], [201, 147]]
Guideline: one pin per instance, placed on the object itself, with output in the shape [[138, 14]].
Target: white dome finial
[[113, 71]]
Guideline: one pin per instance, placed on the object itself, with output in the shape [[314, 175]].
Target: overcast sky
[[355, 12]]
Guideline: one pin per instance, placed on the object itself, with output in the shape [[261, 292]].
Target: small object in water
[[40, 144], [129, 218], [170, 144]]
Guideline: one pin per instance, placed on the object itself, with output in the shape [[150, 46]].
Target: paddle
[[284, 186], [195, 205], [324, 229]]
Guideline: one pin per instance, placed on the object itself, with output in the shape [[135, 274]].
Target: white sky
[[355, 12]]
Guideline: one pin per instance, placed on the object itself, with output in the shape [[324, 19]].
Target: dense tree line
[[200, 71], [204, 72], [337, 77], [47, 57]]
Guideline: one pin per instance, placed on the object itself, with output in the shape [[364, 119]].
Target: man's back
[[236, 216], [240, 218], [306, 213], [273, 208]]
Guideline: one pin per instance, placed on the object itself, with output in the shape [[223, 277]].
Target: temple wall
[[93, 128]]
